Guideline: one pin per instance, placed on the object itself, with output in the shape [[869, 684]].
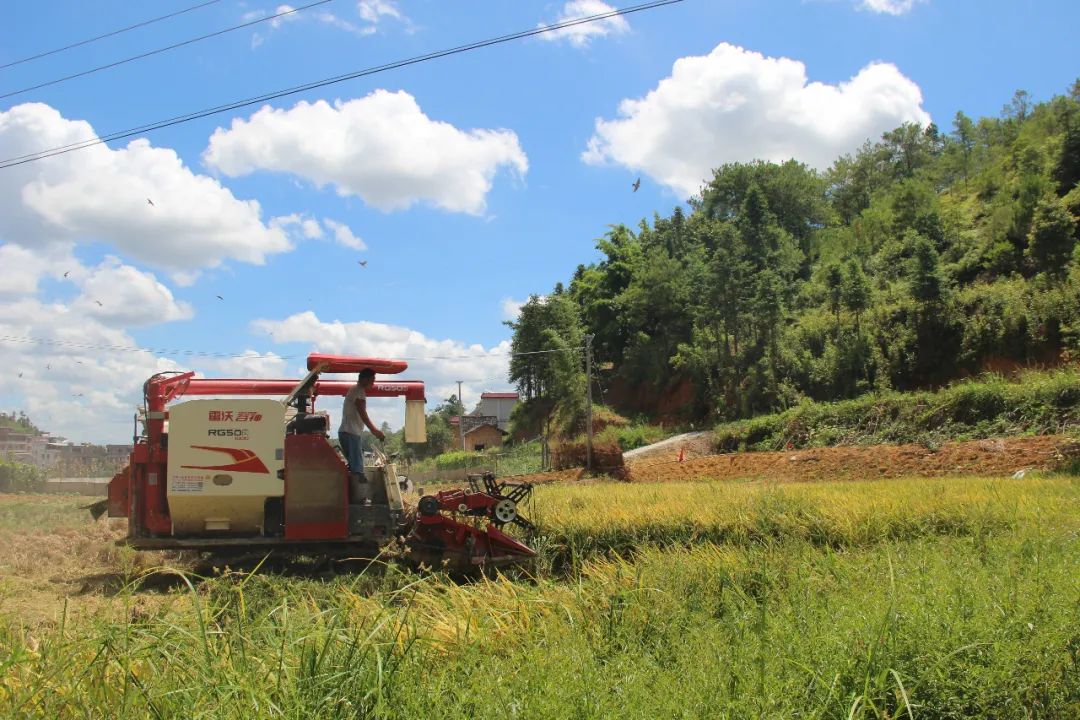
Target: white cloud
[[580, 35], [292, 16], [511, 308], [312, 230], [736, 105], [66, 387], [373, 11], [140, 199], [248, 364], [343, 235], [22, 268], [71, 364], [370, 11], [439, 363], [382, 148], [119, 295], [889, 7], [333, 20]]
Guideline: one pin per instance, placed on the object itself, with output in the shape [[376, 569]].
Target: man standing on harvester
[[353, 419]]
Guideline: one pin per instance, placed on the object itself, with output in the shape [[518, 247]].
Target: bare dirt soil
[[689, 445], [978, 457]]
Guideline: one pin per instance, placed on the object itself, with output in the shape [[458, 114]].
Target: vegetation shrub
[[457, 459], [1034, 403], [20, 477]]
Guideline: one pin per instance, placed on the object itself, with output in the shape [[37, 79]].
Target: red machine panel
[[350, 364], [316, 490], [119, 498]]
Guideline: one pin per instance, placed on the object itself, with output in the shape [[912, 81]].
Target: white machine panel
[[224, 458]]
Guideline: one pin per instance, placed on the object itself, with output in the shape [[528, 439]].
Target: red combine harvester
[[246, 473]]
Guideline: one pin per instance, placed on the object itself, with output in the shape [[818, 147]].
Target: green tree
[[1019, 108], [1067, 168], [1051, 239], [450, 407], [927, 279], [834, 283], [547, 363], [909, 148], [793, 192], [856, 291], [964, 134]]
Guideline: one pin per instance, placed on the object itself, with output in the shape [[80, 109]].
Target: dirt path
[[691, 445], [978, 457]]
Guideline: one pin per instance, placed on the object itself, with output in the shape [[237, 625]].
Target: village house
[[481, 432]]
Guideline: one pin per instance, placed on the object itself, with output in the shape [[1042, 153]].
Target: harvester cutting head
[[241, 473], [439, 538]]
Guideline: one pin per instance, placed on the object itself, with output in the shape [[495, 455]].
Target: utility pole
[[588, 396], [461, 415]]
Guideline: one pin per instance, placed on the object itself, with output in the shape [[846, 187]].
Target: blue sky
[[465, 183]]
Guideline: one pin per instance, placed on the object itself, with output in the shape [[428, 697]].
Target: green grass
[[971, 610], [634, 436], [1035, 404]]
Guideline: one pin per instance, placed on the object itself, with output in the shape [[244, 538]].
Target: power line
[[144, 23], [182, 43], [27, 340], [121, 134]]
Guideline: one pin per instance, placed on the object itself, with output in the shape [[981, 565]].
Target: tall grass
[[612, 518], [1036, 403], [940, 623]]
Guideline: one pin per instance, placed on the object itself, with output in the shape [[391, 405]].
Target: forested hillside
[[924, 257]]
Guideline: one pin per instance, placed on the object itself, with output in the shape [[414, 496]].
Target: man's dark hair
[[366, 374]]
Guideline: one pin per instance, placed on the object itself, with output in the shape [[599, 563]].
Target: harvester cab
[[235, 470]]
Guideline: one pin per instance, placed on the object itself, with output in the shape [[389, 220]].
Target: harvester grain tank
[[240, 470]]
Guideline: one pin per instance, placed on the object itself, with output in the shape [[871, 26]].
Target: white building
[[499, 405]]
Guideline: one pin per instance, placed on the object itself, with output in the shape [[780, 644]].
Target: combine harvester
[[240, 474]]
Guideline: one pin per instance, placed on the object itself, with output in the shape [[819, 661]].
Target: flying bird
[[66, 273], [99, 303], [637, 184], [20, 374], [151, 202], [219, 297], [363, 263], [48, 367], [77, 395]]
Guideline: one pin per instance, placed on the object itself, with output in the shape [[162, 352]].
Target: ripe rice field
[[912, 598]]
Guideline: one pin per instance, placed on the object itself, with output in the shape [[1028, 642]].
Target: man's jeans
[[353, 447]]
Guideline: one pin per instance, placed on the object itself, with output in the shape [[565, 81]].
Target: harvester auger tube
[[439, 539]]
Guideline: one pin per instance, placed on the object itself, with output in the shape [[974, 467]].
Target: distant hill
[[928, 256], [18, 420]]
